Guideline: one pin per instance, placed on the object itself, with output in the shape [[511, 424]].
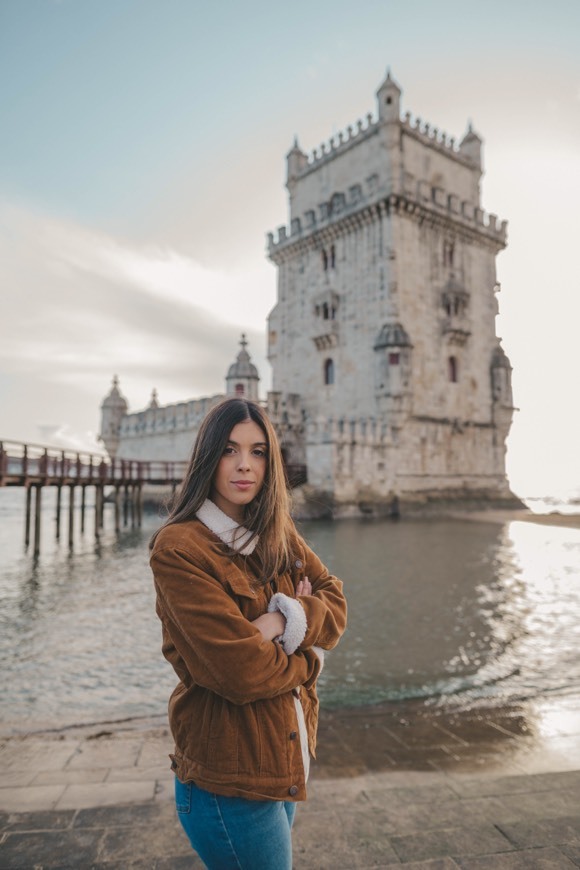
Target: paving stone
[[131, 815], [69, 777], [473, 840], [547, 832], [48, 820], [155, 753], [523, 784], [530, 859], [106, 753], [17, 777], [134, 774], [35, 755], [409, 818], [542, 805], [435, 864], [49, 849], [104, 794], [24, 800], [312, 851], [165, 838], [410, 796], [572, 852]]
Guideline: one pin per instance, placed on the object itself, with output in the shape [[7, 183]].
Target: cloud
[[84, 305]]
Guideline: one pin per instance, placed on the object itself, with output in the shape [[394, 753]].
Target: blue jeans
[[232, 833]]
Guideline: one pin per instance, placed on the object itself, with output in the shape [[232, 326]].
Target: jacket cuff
[[320, 655], [296, 624]]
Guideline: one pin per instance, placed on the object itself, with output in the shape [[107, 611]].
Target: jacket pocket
[[223, 737], [276, 718]]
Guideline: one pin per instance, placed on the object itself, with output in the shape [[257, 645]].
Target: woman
[[247, 610]]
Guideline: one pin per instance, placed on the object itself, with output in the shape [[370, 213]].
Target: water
[[453, 612]]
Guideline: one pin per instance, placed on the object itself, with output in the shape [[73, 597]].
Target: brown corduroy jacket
[[232, 714]]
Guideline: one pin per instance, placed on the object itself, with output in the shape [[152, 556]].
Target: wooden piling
[[98, 498], [83, 497], [58, 508], [27, 519], [71, 514], [117, 509], [37, 514]]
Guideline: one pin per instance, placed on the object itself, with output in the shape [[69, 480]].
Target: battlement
[[433, 137], [181, 416], [411, 194], [341, 430], [342, 141]]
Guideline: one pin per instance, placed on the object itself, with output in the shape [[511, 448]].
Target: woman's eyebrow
[[255, 444]]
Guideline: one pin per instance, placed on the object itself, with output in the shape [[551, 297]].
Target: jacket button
[[298, 563], [293, 790], [293, 735]]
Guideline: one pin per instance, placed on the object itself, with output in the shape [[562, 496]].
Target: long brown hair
[[268, 514]]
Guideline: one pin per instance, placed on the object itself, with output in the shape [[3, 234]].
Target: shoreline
[[386, 736], [500, 516]]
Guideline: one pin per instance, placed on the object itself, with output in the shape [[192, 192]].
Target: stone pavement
[[424, 788]]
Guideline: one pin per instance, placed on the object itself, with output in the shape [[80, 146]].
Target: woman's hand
[[304, 587], [270, 625]]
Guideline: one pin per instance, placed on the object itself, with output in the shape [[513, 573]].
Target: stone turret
[[113, 409], [471, 145], [389, 99], [242, 378]]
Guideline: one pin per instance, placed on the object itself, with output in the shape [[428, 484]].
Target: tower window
[[328, 372], [239, 389], [324, 260], [453, 369], [448, 251], [394, 358], [388, 101], [332, 257]]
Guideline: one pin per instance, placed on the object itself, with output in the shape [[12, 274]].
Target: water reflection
[[458, 610], [457, 613]]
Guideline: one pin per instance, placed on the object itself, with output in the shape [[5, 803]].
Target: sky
[[142, 162]]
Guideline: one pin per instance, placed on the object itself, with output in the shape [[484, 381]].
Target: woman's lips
[[242, 485]]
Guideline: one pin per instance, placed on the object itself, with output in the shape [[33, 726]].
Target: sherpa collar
[[235, 536]]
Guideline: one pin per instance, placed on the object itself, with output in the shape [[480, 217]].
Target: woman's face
[[240, 473]]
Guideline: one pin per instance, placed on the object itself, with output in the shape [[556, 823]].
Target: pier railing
[[34, 467], [32, 464]]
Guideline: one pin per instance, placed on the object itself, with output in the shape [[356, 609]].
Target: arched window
[[325, 311], [328, 371], [332, 257], [239, 389], [324, 260], [453, 369]]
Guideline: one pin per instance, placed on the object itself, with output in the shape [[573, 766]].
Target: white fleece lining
[[227, 530], [303, 736], [296, 625]]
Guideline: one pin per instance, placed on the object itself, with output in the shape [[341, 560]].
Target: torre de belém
[[389, 383]]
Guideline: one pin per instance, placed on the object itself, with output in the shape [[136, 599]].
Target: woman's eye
[[228, 451], [259, 452]]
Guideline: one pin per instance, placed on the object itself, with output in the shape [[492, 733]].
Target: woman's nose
[[244, 461]]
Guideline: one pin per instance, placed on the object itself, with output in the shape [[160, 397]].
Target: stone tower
[[113, 410], [242, 378], [388, 377]]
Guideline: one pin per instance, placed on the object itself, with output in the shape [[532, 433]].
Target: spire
[[154, 403]]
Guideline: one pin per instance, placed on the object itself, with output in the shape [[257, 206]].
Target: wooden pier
[[34, 467]]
